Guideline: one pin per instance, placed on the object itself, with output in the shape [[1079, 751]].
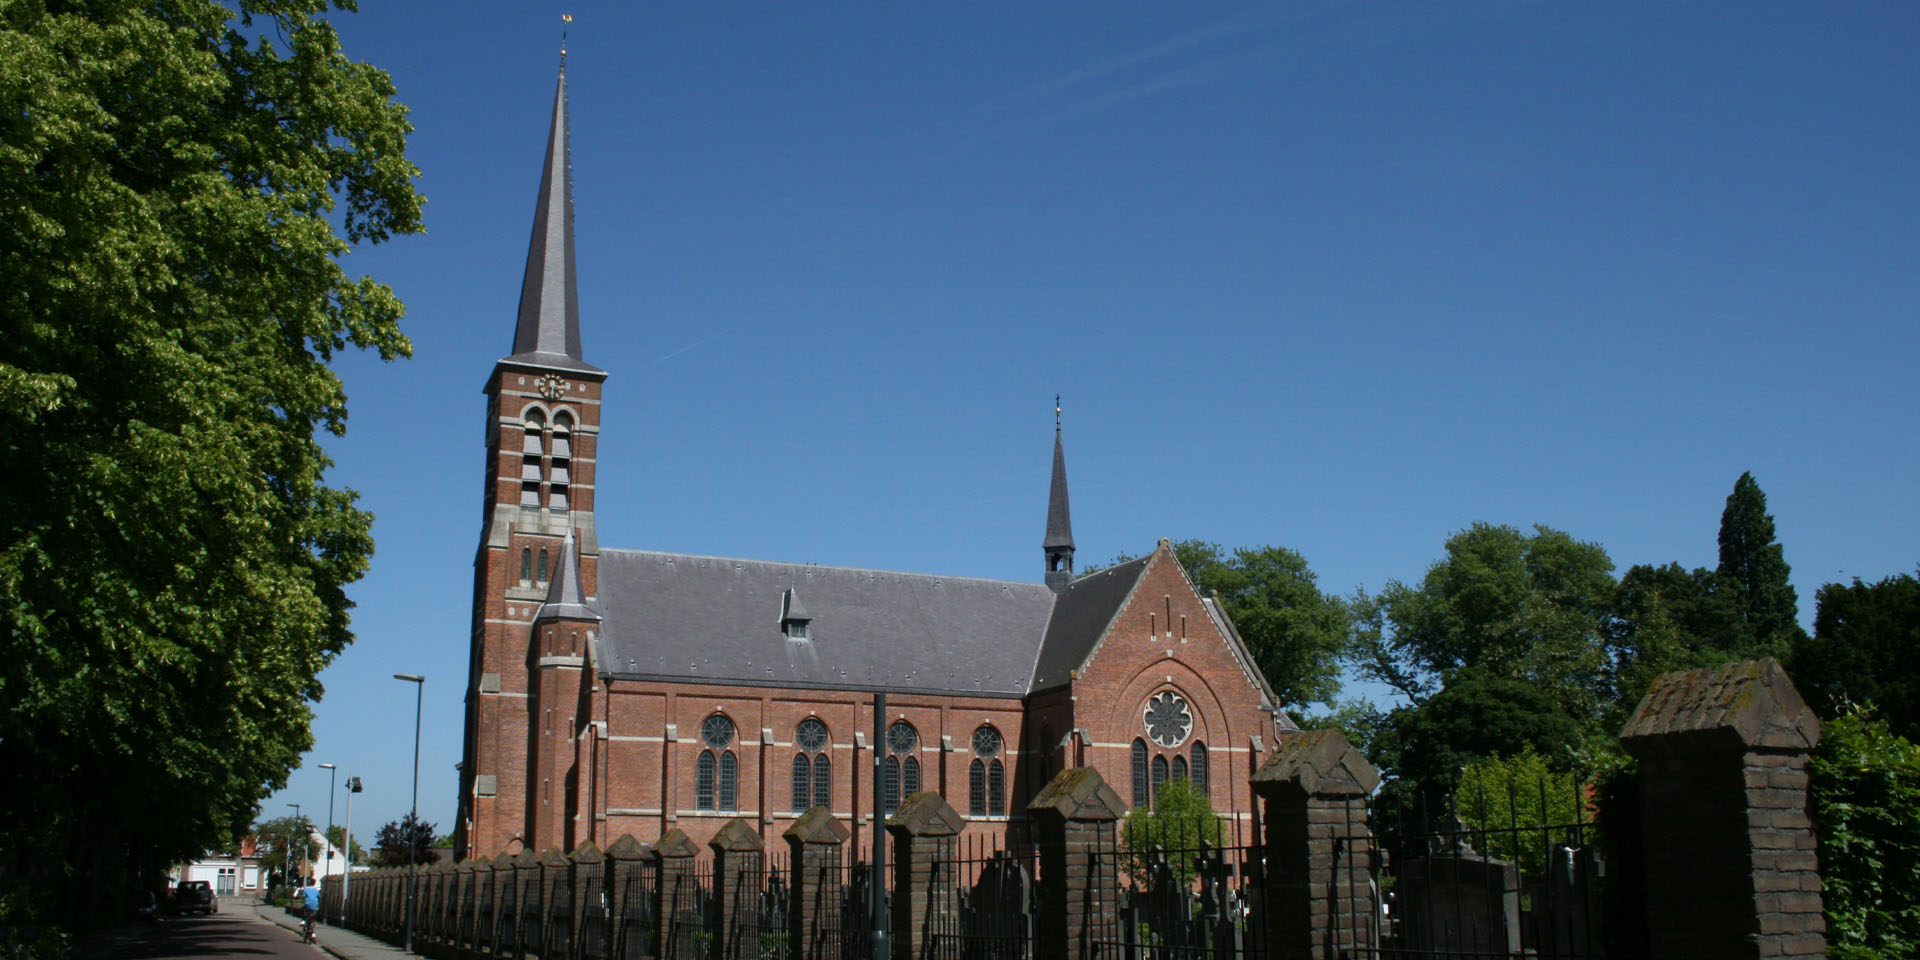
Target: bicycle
[[306, 928]]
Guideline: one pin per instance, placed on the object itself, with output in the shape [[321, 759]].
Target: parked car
[[194, 896]]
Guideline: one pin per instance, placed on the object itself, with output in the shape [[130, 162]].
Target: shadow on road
[[219, 935]]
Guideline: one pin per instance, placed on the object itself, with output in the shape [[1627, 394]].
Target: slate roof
[[548, 331], [1059, 521], [1080, 618], [684, 617]]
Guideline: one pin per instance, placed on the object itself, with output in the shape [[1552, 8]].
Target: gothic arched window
[[812, 771], [901, 770], [543, 564], [1141, 795], [1200, 767], [1159, 773], [1179, 767], [986, 778], [716, 778], [526, 564]]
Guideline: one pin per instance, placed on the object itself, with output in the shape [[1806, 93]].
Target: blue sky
[[1343, 277]]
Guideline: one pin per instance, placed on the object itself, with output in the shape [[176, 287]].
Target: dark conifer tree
[[1757, 565]]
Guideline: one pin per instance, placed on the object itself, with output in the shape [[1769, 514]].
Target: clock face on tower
[[550, 386]]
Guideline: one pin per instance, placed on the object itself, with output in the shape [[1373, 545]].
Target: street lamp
[[303, 847], [332, 775], [413, 815]]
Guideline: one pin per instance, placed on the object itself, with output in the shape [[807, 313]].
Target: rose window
[[1168, 719]]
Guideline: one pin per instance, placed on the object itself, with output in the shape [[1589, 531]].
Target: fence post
[[480, 939], [813, 916], [925, 835], [588, 885], [506, 898], [1319, 847], [676, 896], [1074, 823], [623, 876], [555, 909], [461, 936], [736, 890], [527, 911], [1730, 853]]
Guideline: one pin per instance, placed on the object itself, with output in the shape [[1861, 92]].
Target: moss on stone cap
[[926, 814], [817, 825], [1079, 793], [1316, 762], [1739, 706]]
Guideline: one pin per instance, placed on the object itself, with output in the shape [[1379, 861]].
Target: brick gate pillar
[[1319, 847], [1730, 853], [737, 864], [815, 842], [676, 896], [556, 904], [926, 842], [589, 888], [625, 893], [527, 911], [1074, 824]]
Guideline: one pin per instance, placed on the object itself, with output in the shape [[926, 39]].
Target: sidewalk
[[340, 942]]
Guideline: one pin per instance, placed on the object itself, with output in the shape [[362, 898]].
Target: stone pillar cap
[[1316, 762], [527, 859], [467, 865], [553, 858], [586, 852], [1079, 793], [926, 814], [736, 837], [817, 825], [626, 848], [1739, 706], [503, 862], [676, 844]]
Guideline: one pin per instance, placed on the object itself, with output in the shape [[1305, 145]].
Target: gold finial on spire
[[565, 19]]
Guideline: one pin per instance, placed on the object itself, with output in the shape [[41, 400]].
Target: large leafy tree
[[1502, 605], [392, 842], [1865, 649], [1670, 618], [1756, 564], [178, 182], [286, 847]]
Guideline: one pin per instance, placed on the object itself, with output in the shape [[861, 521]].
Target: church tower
[[542, 431], [1058, 544]]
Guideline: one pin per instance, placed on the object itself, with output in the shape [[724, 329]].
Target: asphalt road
[[230, 933]]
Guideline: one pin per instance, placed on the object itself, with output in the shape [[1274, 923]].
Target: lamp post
[[332, 778], [301, 824], [413, 816], [353, 787]]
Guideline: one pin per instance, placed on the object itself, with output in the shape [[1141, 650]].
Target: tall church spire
[[1059, 542], [548, 333]]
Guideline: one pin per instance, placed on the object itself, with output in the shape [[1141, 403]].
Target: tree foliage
[[172, 564], [1519, 807], [286, 845], [390, 845], [337, 835], [1865, 648], [1756, 564], [1864, 785], [1166, 836], [1503, 606]]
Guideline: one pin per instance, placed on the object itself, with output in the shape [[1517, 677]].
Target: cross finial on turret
[[565, 19]]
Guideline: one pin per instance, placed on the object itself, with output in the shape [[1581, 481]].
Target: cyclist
[[310, 898]]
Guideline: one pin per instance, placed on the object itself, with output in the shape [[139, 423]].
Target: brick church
[[618, 691]]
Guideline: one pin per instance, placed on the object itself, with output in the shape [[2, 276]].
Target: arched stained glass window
[[729, 793], [703, 781], [1159, 773], [810, 735], [996, 789], [822, 781], [1200, 767], [526, 564], [977, 788], [802, 782], [1140, 791], [543, 564], [910, 777], [890, 784], [1179, 767]]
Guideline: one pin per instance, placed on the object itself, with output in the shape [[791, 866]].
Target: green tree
[[1519, 807], [1474, 718], [286, 846], [1295, 633], [356, 854], [1864, 790], [1668, 618], [1180, 822], [172, 563], [1756, 564], [1865, 648], [390, 844], [1502, 605]]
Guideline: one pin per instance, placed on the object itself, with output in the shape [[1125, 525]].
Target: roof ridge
[[800, 564]]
